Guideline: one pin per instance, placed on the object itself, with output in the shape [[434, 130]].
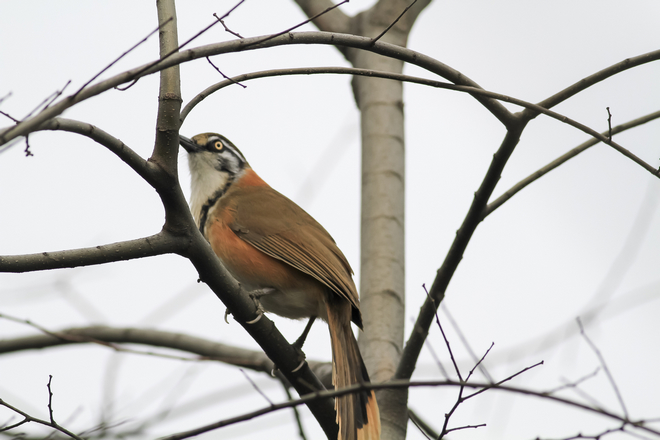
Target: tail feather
[[357, 414]]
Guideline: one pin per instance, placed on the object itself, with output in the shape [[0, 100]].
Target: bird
[[294, 267]]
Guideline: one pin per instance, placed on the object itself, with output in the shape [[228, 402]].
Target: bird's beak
[[188, 144]]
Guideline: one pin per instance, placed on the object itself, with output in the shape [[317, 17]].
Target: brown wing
[[278, 227]]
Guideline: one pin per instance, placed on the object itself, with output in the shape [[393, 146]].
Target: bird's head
[[208, 152], [214, 163]]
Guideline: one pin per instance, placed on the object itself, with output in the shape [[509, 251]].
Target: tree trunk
[[382, 282]]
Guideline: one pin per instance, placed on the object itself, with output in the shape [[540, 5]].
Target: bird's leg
[[255, 295], [301, 339]]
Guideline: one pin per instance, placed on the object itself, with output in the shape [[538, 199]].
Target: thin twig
[[451, 353], [586, 396], [135, 46], [296, 413], [373, 41], [397, 384], [574, 384], [230, 10], [438, 84], [604, 365], [563, 159], [50, 399], [223, 75], [270, 37], [225, 26], [481, 425], [28, 418], [9, 116], [609, 123], [7, 95], [254, 385], [506, 380], [57, 94], [421, 425], [27, 151], [74, 338], [492, 344], [465, 342], [164, 57], [48, 100]]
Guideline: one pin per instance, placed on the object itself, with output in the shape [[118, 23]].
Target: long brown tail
[[357, 414]]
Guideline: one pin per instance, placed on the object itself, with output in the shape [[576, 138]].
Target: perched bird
[[275, 249]]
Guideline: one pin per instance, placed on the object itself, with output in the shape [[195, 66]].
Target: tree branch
[[161, 243], [108, 336], [386, 49], [145, 169], [398, 384], [565, 158], [333, 21], [444, 274], [597, 77]]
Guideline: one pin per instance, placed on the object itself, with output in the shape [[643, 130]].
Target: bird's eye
[[218, 145]]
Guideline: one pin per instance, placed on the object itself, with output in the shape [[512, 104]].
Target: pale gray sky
[[533, 266]]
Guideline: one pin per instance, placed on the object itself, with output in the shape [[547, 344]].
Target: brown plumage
[[268, 242]]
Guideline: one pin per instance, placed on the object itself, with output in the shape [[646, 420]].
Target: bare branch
[[161, 243], [513, 376], [395, 384], [27, 150], [423, 427], [256, 388], [206, 350], [574, 384], [564, 158], [287, 31], [7, 95], [465, 342], [465, 427], [220, 19], [48, 100], [336, 21], [476, 211], [601, 359], [145, 169], [296, 413], [394, 22], [597, 77], [444, 337], [438, 84], [7, 115], [135, 46], [381, 48], [220, 72], [28, 418]]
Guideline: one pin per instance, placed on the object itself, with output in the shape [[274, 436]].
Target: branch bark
[[204, 348]]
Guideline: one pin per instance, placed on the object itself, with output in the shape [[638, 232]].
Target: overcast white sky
[[585, 233]]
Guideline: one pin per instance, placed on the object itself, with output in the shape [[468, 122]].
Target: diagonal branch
[[145, 169], [597, 77], [565, 158], [334, 21], [444, 274]]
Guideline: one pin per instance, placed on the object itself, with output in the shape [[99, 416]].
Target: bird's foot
[[255, 295]]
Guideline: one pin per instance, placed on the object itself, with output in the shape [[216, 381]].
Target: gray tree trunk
[[382, 282]]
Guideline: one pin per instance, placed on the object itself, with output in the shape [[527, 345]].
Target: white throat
[[205, 181]]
